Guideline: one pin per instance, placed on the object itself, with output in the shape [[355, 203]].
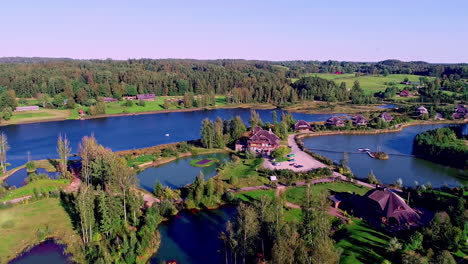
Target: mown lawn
[[19, 226], [370, 84], [297, 195], [254, 195], [361, 243], [43, 185], [245, 172], [140, 160], [35, 116]]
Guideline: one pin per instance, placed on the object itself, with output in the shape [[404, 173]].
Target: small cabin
[[335, 122], [386, 117], [405, 93], [359, 120], [422, 111], [109, 99], [146, 97], [460, 112], [273, 178]]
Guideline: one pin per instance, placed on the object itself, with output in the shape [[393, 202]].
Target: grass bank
[[26, 225], [39, 186]]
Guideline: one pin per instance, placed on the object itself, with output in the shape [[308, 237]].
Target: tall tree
[[4, 147], [255, 119], [208, 134], [64, 150]]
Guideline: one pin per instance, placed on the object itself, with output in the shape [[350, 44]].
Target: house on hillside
[[383, 206], [302, 126], [26, 108], [146, 97], [359, 120], [109, 99], [335, 121], [460, 112], [422, 111], [386, 117], [260, 141], [405, 93]]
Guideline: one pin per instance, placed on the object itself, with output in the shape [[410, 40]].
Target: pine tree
[[208, 134], [255, 120], [4, 147]]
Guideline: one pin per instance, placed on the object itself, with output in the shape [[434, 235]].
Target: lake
[[179, 173], [47, 252], [400, 165], [193, 237], [121, 132]]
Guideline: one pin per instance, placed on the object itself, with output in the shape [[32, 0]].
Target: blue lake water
[[47, 252], [399, 165], [121, 132], [179, 172], [17, 179], [193, 237]]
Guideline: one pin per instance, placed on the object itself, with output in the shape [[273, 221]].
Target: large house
[[382, 206], [261, 142], [460, 112], [146, 97], [335, 122], [359, 120], [302, 125]]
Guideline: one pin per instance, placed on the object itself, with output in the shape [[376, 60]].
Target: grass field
[[255, 195], [19, 226], [245, 172], [40, 115], [370, 84], [296, 195], [206, 162], [43, 185], [361, 243], [140, 160]]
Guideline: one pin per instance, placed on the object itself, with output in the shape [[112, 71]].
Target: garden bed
[[204, 162]]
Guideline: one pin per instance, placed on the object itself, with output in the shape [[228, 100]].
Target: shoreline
[[243, 106]]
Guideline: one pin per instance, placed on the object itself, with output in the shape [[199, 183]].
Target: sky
[[351, 30]]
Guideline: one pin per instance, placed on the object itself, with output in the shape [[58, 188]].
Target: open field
[[369, 83], [244, 172], [361, 243], [297, 195], [42, 186], [25, 225], [37, 116]]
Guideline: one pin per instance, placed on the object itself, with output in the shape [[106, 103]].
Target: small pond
[[47, 252], [388, 106], [179, 173], [17, 178], [193, 237]]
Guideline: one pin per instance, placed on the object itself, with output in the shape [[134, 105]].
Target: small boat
[[364, 149], [167, 135]]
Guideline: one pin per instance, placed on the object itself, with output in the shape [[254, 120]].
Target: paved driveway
[[301, 158]]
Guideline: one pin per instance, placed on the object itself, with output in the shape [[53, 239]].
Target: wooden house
[[405, 93], [129, 98], [422, 111], [109, 99], [260, 141], [386, 117], [460, 112], [335, 121], [359, 120], [302, 126]]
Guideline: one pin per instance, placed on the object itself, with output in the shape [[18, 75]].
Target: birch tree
[[64, 150]]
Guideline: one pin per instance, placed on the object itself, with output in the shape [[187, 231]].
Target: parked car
[[276, 163], [292, 160]]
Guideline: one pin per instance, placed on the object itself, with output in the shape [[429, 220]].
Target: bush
[[31, 166], [280, 152], [127, 103], [141, 103]]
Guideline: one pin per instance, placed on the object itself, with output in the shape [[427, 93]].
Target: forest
[[243, 81], [443, 145]]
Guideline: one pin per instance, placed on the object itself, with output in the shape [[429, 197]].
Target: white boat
[[167, 135], [364, 149]]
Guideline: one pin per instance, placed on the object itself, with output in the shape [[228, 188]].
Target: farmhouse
[[359, 120], [109, 99], [302, 125], [335, 122], [405, 93], [26, 108], [422, 111], [460, 112], [386, 117], [261, 141], [146, 97]]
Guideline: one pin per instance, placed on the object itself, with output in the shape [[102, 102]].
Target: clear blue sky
[[367, 30]]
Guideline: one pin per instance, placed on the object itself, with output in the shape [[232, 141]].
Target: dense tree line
[[442, 145], [107, 209]]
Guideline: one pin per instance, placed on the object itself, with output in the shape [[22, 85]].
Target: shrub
[[31, 166], [141, 103]]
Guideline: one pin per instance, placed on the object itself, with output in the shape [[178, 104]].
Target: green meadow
[[370, 83]]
